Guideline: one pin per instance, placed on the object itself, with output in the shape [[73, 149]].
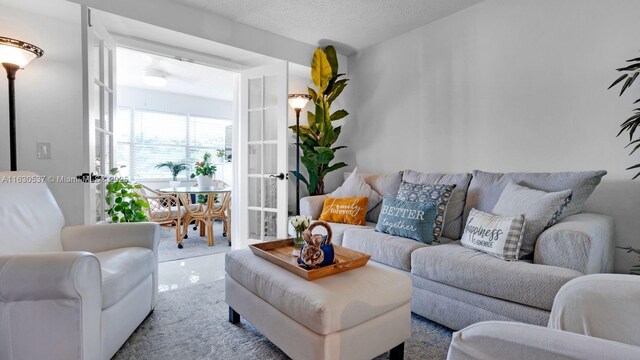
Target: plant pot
[[174, 184], [204, 181]]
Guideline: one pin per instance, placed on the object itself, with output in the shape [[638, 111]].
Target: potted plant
[[220, 155], [203, 171], [175, 168], [317, 140], [125, 204]]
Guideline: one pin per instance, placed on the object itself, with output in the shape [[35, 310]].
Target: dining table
[[205, 209]]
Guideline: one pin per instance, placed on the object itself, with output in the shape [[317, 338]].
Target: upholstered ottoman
[[358, 314]]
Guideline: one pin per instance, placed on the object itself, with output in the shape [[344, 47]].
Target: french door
[[98, 69], [262, 184]]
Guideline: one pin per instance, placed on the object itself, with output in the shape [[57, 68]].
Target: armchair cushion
[[509, 340], [601, 305], [30, 218], [123, 269]]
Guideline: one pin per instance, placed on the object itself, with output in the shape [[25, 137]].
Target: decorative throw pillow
[[407, 219], [355, 186], [345, 210], [499, 236], [540, 208], [437, 194]]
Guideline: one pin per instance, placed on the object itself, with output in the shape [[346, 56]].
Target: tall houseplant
[[630, 73], [317, 139]]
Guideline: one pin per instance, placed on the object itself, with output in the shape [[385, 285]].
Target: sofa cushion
[[499, 236], [390, 250], [355, 186], [453, 218], [326, 305], [384, 184], [471, 270], [485, 188], [408, 219], [540, 210], [122, 269], [437, 194]]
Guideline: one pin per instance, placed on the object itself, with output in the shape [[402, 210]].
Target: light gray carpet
[[192, 323], [194, 245]]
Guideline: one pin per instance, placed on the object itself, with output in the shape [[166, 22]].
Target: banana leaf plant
[[629, 74], [318, 138]]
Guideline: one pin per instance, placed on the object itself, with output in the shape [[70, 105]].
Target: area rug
[[194, 245], [192, 323]]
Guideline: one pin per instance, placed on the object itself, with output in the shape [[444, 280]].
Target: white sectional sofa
[[456, 286]]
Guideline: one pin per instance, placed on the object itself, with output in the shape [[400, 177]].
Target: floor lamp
[[298, 102], [15, 55]]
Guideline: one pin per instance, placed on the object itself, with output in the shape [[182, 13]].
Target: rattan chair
[[221, 211], [164, 210]]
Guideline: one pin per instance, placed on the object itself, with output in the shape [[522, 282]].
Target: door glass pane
[[271, 193], [254, 159], [270, 91], [107, 111], [270, 158], [96, 57], [254, 225], [107, 67], [255, 93], [255, 125], [99, 155], [107, 154], [271, 124], [97, 92], [270, 225], [255, 192], [100, 205]]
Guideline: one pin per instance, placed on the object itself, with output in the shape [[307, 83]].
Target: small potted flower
[[176, 169], [300, 223], [203, 171]]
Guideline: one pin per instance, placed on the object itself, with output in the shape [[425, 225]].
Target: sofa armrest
[[583, 242], [55, 298], [601, 305], [97, 238], [510, 340], [312, 205]]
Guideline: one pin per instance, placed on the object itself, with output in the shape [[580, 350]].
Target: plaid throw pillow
[[436, 194], [499, 236]]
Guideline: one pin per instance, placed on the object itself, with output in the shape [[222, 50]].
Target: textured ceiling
[[351, 24]]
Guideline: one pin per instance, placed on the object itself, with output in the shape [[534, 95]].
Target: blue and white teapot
[[317, 250]]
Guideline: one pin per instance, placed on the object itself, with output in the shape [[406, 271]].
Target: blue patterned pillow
[[407, 219], [436, 194]]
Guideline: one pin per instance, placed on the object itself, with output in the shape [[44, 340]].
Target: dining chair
[[164, 209]]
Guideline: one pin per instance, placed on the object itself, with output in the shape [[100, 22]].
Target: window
[[145, 138]]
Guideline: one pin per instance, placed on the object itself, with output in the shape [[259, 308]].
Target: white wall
[[505, 86], [48, 102], [178, 103]]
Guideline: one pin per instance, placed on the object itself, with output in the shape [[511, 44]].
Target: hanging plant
[[317, 139]]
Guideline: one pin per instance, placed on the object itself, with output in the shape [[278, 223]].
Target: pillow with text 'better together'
[[407, 219]]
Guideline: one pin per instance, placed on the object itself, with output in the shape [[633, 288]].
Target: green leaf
[[333, 167], [325, 155], [637, 142], [628, 83], [312, 93], [631, 67], [337, 89], [618, 80], [332, 58], [300, 177], [118, 200], [321, 71], [339, 115]]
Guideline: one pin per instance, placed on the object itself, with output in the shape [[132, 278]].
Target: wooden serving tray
[[279, 252]]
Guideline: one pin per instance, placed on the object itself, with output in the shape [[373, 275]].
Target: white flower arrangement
[[300, 223]]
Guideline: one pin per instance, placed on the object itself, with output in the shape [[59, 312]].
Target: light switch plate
[[44, 150]]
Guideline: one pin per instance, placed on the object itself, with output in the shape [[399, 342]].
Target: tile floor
[[183, 273]]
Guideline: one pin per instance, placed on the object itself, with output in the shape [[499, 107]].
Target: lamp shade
[[18, 52], [298, 101]]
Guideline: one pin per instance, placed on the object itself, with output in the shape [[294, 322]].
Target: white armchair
[[75, 292], [593, 317]]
